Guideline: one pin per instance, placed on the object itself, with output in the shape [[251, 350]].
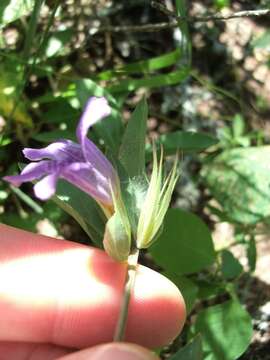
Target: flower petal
[[59, 150], [46, 187], [95, 110], [96, 158], [31, 172], [88, 179]]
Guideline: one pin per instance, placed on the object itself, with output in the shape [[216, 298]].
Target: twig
[[129, 285], [175, 23], [214, 17], [136, 28]]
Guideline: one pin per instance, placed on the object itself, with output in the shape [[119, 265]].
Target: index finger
[[60, 292]]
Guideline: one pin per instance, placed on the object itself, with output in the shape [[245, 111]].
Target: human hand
[[57, 297]]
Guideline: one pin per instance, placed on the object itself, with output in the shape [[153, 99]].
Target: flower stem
[[129, 284]]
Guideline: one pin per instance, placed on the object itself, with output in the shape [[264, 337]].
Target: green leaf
[[87, 87], [239, 180], [144, 66], [183, 140], [185, 245], [59, 111], [252, 254], [209, 289], [132, 149], [83, 209], [226, 330], [13, 219], [188, 289], [230, 267], [171, 78], [192, 351], [11, 10]]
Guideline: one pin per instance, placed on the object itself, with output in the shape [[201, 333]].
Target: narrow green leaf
[[132, 149], [226, 330], [171, 78], [31, 31], [188, 141], [143, 66], [192, 351], [185, 41], [87, 87], [27, 199], [185, 245]]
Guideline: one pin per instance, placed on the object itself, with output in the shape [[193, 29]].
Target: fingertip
[[70, 295], [113, 351], [157, 311]]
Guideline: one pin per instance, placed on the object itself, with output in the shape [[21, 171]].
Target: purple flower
[[82, 164]]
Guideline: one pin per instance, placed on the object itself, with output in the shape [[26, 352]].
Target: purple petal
[[88, 179], [46, 187], [95, 110], [96, 158], [59, 150], [31, 172]]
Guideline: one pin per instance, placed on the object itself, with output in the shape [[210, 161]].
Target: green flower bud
[[117, 237], [157, 201]]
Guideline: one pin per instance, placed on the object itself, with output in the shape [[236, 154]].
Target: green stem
[[129, 285], [32, 29]]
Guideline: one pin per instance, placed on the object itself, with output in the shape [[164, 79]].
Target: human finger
[[25, 351], [112, 351], [59, 292]]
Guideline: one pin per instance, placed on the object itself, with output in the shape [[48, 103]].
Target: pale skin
[[60, 300]]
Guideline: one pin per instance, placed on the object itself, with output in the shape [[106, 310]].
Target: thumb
[[113, 351]]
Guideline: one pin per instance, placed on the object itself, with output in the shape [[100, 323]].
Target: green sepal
[[117, 241]]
